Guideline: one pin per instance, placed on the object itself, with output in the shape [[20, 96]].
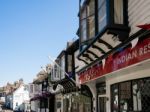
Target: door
[[101, 104]]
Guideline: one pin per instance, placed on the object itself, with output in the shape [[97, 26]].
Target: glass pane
[[137, 106], [69, 63], [62, 67], [83, 30], [141, 95], [91, 27], [83, 13], [114, 100], [118, 11], [91, 19], [125, 96], [102, 20], [91, 7], [102, 104]]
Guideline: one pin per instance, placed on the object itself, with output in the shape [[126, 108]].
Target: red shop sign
[[115, 62]]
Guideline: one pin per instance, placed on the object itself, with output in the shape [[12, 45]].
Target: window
[[83, 25], [70, 63], [31, 88], [118, 11], [102, 19], [87, 20], [56, 72], [131, 96], [62, 64], [125, 97], [114, 97]]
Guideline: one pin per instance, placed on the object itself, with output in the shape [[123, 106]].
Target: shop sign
[[125, 58]]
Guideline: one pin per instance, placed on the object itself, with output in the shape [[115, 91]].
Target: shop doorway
[[101, 103]]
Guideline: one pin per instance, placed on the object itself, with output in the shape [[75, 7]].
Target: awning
[[100, 47], [66, 83], [105, 45], [41, 96]]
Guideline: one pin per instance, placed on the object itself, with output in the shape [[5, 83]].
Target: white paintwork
[[78, 63], [93, 90], [20, 96], [139, 13]]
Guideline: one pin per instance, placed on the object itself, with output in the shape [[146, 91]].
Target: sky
[[30, 31]]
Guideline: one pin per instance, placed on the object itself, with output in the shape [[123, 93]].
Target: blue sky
[[30, 31]]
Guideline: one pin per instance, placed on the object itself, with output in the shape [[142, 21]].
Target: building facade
[[40, 97], [115, 53]]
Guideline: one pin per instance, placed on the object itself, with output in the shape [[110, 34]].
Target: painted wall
[[20, 96], [139, 13]]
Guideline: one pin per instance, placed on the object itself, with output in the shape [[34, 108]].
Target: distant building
[[18, 99], [40, 97]]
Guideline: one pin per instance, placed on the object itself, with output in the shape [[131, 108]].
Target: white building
[[19, 99]]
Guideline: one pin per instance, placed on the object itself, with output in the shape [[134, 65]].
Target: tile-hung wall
[[139, 13]]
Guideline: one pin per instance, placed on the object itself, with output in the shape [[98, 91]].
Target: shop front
[[121, 80], [76, 102], [131, 95], [73, 99]]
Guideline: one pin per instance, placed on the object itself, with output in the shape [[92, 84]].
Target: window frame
[[86, 6], [132, 102]]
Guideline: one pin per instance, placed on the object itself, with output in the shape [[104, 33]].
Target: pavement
[[3, 109]]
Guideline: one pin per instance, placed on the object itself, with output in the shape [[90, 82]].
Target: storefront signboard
[[127, 57]]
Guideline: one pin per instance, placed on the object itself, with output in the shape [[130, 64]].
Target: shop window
[[141, 95], [137, 104], [114, 98], [125, 96], [131, 96]]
